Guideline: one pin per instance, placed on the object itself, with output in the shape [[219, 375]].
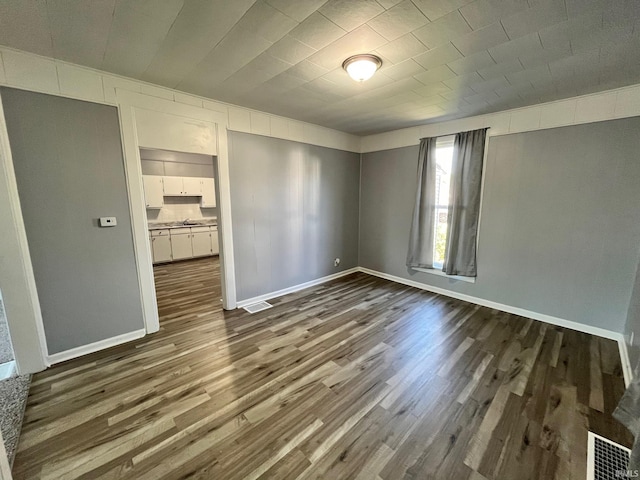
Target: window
[[444, 157]]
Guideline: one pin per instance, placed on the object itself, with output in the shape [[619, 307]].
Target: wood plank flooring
[[359, 378]]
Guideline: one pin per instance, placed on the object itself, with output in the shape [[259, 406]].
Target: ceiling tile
[[160, 10], [80, 30], [405, 69], [560, 33], [317, 31], [541, 15], [434, 75], [388, 3], [199, 27], [350, 14], [401, 49], [499, 69], [490, 85], [24, 25], [515, 48], [361, 40], [290, 50], [297, 9], [399, 20], [434, 9], [265, 21], [471, 63], [546, 55], [438, 56], [133, 42], [307, 70], [481, 39], [443, 30], [481, 13]]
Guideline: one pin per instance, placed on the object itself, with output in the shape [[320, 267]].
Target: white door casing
[[144, 123]]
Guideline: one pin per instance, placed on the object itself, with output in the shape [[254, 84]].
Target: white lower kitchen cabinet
[[201, 242], [181, 243], [161, 248], [215, 246]]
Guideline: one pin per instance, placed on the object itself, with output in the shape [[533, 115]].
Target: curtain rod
[[463, 131]]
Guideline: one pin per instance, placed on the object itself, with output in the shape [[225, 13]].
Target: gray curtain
[[628, 413], [422, 228], [464, 203]]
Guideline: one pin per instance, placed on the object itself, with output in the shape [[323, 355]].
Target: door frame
[[128, 103]]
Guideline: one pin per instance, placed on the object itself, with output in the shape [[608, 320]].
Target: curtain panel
[[464, 203], [421, 239]]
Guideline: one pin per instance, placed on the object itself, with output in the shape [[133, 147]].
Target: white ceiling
[[442, 59]]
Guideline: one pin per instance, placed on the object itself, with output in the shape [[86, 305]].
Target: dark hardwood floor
[[359, 378]]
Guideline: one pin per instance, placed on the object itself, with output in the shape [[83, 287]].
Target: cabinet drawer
[[199, 229], [180, 231], [160, 233]]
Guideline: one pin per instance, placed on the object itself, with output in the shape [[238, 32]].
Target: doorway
[[181, 200]]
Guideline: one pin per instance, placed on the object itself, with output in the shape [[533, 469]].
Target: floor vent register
[[607, 460], [257, 307]]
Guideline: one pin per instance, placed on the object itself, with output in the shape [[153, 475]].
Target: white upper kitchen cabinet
[[182, 186], [153, 191], [192, 186], [173, 185], [208, 186]]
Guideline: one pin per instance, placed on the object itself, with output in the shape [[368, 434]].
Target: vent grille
[[257, 307], [606, 460]]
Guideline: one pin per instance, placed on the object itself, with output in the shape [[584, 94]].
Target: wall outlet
[[336, 262]]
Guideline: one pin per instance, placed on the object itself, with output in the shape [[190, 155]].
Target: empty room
[[320, 239]]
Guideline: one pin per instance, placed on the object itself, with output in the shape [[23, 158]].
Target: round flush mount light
[[362, 67]]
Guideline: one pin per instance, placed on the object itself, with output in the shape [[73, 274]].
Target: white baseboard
[[561, 322], [295, 288], [96, 346], [627, 369]]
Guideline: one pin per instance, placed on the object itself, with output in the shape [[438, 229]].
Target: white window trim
[[440, 273]]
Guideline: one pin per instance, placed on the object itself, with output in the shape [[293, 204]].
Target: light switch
[[108, 221]]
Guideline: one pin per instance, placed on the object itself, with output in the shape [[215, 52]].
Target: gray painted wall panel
[[294, 208], [560, 224], [70, 171]]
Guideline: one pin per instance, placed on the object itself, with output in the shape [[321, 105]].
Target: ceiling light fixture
[[362, 67]]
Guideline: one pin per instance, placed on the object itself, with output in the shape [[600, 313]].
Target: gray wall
[[70, 171], [176, 164], [294, 209], [560, 223], [633, 322]]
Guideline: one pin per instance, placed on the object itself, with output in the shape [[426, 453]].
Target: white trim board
[[560, 322], [95, 346], [296, 288]]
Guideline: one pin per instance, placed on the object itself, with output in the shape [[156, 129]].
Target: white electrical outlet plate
[[108, 221]]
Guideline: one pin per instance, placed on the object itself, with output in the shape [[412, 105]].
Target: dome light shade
[[362, 67]]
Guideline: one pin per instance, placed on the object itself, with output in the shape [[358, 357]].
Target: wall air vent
[[257, 307], [607, 460]]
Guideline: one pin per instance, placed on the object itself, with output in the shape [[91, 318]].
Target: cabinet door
[[201, 244], [215, 246], [181, 246], [208, 193], [161, 247], [173, 186], [153, 192], [192, 186]]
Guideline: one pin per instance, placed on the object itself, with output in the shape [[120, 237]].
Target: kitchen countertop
[[202, 223]]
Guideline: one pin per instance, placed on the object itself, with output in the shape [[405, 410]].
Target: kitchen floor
[[358, 378]]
